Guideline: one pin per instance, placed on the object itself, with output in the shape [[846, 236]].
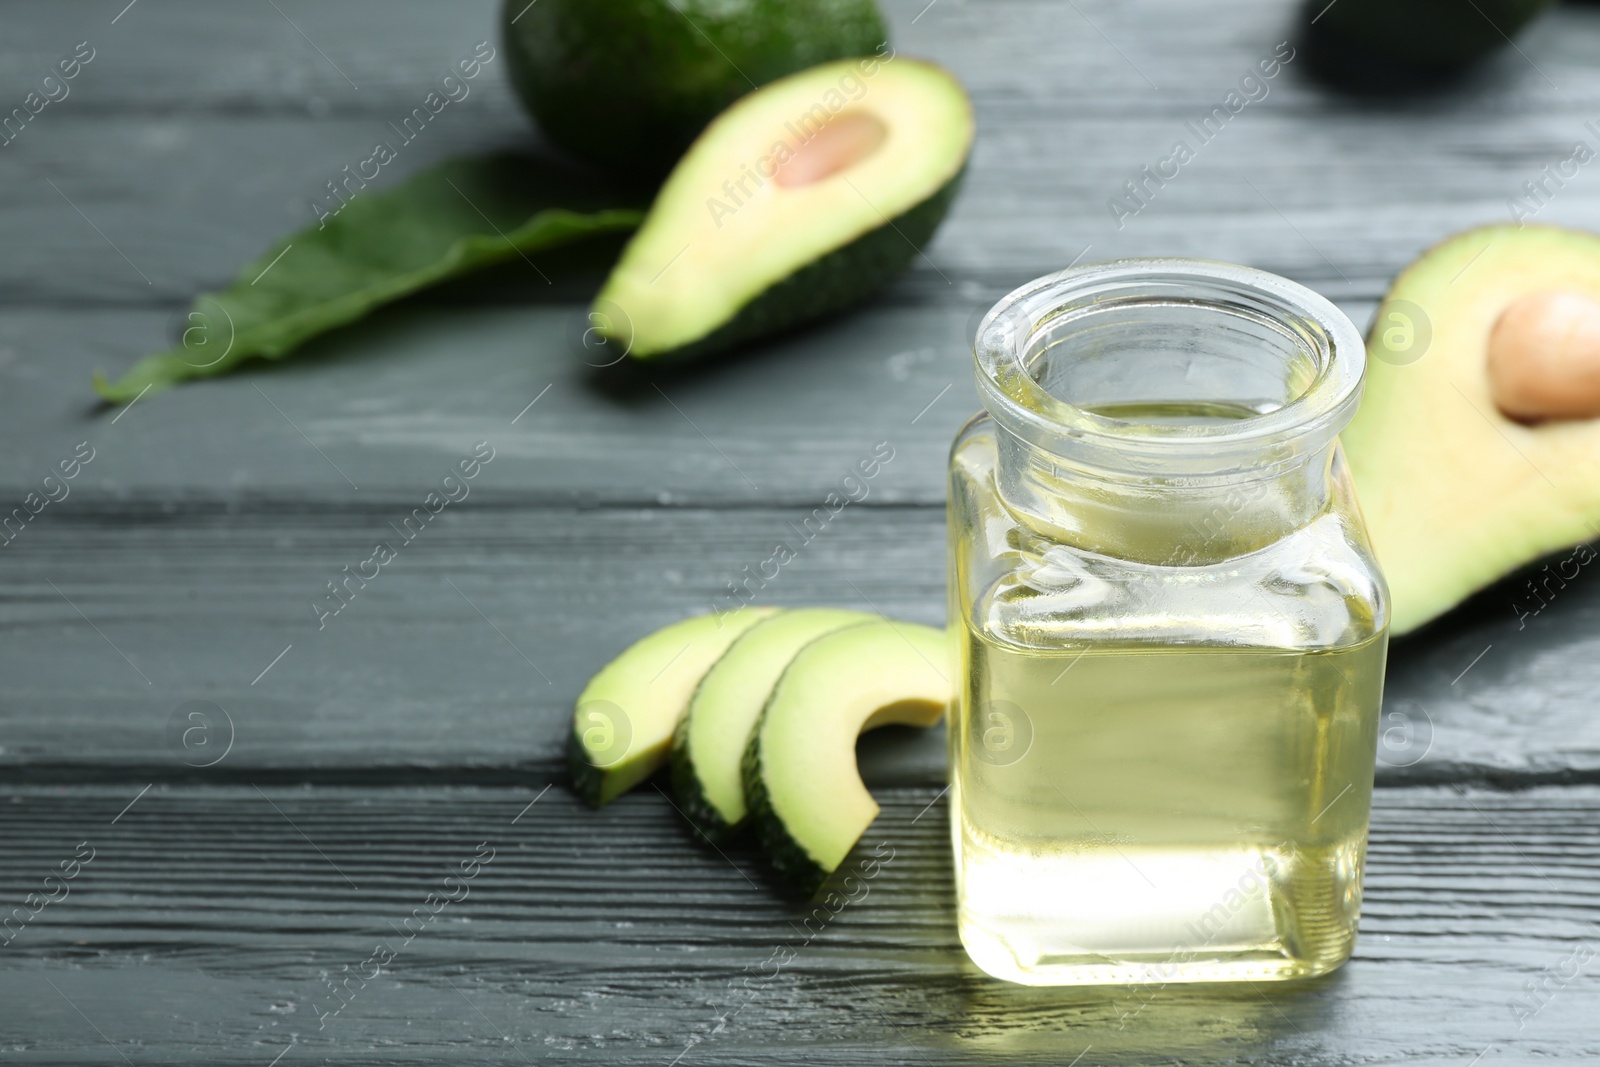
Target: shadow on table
[[629, 382], [879, 943], [1129, 1024]]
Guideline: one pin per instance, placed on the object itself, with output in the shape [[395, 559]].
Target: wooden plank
[[203, 926], [395, 403], [410, 679], [409, 674], [302, 59], [208, 194]]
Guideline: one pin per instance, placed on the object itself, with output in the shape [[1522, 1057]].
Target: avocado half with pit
[[1476, 446], [804, 791], [625, 717], [799, 200], [708, 749]]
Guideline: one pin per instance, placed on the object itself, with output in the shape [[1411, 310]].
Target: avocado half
[[709, 746], [629, 83], [805, 794], [1454, 492], [623, 723], [799, 200]]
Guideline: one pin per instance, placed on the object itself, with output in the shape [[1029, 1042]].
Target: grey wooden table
[[225, 878]]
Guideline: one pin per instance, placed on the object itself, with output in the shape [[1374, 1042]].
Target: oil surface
[[1162, 813]]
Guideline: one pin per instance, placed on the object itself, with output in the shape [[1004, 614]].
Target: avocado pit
[[1544, 357], [846, 140]]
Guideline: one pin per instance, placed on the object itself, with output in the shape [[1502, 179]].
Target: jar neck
[[1167, 409], [1158, 521]]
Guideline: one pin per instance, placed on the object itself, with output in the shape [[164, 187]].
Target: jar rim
[[1306, 423]]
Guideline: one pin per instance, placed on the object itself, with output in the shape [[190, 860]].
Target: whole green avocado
[[628, 84], [1429, 34]]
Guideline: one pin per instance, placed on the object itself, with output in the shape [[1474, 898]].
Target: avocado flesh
[[708, 749], [1455, 494], [733, 249], [806, 798], [623, 723], [1438, 34], [628, 84]]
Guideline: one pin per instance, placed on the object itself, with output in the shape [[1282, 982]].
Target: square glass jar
[[1171, 629]]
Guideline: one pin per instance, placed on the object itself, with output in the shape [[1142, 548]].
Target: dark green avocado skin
[[843, 277], [1430, 34], [628, 84], [586, 777], [789, 859], [691, 797]]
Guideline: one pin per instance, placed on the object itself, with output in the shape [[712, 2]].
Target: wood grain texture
[[410, 679], [203, 925], [395, 402]]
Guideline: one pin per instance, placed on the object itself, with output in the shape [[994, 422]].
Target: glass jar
[[1172, 631]]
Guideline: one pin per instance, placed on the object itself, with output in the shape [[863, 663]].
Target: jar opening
[[1169, 366]]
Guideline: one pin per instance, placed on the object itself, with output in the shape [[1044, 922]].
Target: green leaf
[[442, 223]]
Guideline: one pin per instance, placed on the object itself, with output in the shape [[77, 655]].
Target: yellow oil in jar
[[1162, 813]]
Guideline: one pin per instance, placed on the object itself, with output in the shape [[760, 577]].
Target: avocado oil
[[1170, 629], [1136, 814]]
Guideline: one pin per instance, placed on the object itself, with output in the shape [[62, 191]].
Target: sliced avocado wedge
[[708, 749], [800, 199], [1455, 493], [623, 723], [805, 794]]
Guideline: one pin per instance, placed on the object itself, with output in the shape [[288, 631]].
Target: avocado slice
[[623, 723], [708, 750], [805, 794], [1455, 493], [1429, 34], [629, 83], [799, 200]]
